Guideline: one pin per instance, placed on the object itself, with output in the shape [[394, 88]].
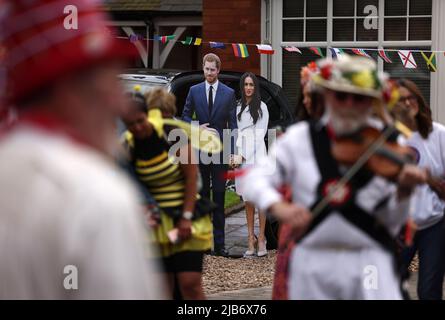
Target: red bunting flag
[[317, 51], [361, 52], [383, 55]]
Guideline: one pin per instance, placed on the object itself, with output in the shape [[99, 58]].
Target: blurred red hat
[[41, 42]]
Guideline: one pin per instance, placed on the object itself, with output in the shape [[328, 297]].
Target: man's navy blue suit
[[223, 116]]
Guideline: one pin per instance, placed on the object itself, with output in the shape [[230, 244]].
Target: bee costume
[[165, 181]]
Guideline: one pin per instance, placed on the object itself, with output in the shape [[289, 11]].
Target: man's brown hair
[[211, 57]]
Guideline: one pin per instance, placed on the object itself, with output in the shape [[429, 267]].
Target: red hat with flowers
[[43, 40]]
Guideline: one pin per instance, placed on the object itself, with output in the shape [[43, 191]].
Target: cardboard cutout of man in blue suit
[[214, 105]]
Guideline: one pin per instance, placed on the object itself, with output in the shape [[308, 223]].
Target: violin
[[386, 157], [386, 160]]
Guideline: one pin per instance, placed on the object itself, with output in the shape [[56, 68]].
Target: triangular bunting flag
[[240, 50], [361, 52], [198, 41], [336, 53], [407, 59], [430, 61], [188, 41], [317, 51], [135, 37], [217, 45], [383, 55], [292, 49], [265, 49]]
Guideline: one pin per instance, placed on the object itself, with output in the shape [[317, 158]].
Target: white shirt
[[215, 87], [330, 262], [429, 209], [65, 204], [291, 160]]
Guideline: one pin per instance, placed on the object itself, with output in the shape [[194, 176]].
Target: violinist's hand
[[408, 178], [293, 214]]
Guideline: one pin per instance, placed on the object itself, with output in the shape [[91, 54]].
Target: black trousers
[[215, 173], [430, 243]]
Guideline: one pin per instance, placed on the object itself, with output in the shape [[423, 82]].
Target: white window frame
[[437, 42], [266, 35]]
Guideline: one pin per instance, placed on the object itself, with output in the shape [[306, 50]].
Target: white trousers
[[342, 274]]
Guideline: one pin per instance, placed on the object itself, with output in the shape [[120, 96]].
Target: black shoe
[[220, 252]]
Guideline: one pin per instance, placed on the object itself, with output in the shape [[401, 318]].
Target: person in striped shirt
[[183, 230]]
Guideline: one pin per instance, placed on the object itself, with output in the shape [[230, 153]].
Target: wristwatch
[[188, 215]]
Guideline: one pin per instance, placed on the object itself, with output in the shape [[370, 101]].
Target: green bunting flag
[[188, 41], [430, 61]]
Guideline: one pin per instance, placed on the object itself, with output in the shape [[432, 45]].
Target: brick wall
[[233, 21]]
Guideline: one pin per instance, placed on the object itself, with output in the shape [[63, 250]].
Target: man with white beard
[[346, 251]]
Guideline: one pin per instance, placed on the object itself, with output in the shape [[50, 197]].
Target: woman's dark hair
[[255, 103], [138, 101], [317, 107], [423, 118]]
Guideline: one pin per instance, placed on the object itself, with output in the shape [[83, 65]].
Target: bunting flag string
[[240, 50]]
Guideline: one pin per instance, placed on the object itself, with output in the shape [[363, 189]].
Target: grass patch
[[231, 199]]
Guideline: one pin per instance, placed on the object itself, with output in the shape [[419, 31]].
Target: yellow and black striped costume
[[165, 181]]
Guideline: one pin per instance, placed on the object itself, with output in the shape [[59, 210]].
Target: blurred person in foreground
[[310, 107], [70, 223], [353, 235]]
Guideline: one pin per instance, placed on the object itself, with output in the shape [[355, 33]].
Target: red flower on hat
[[312, 66], [326, 72]]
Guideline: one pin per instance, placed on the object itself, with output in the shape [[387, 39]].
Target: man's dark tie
[[210, 100]]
